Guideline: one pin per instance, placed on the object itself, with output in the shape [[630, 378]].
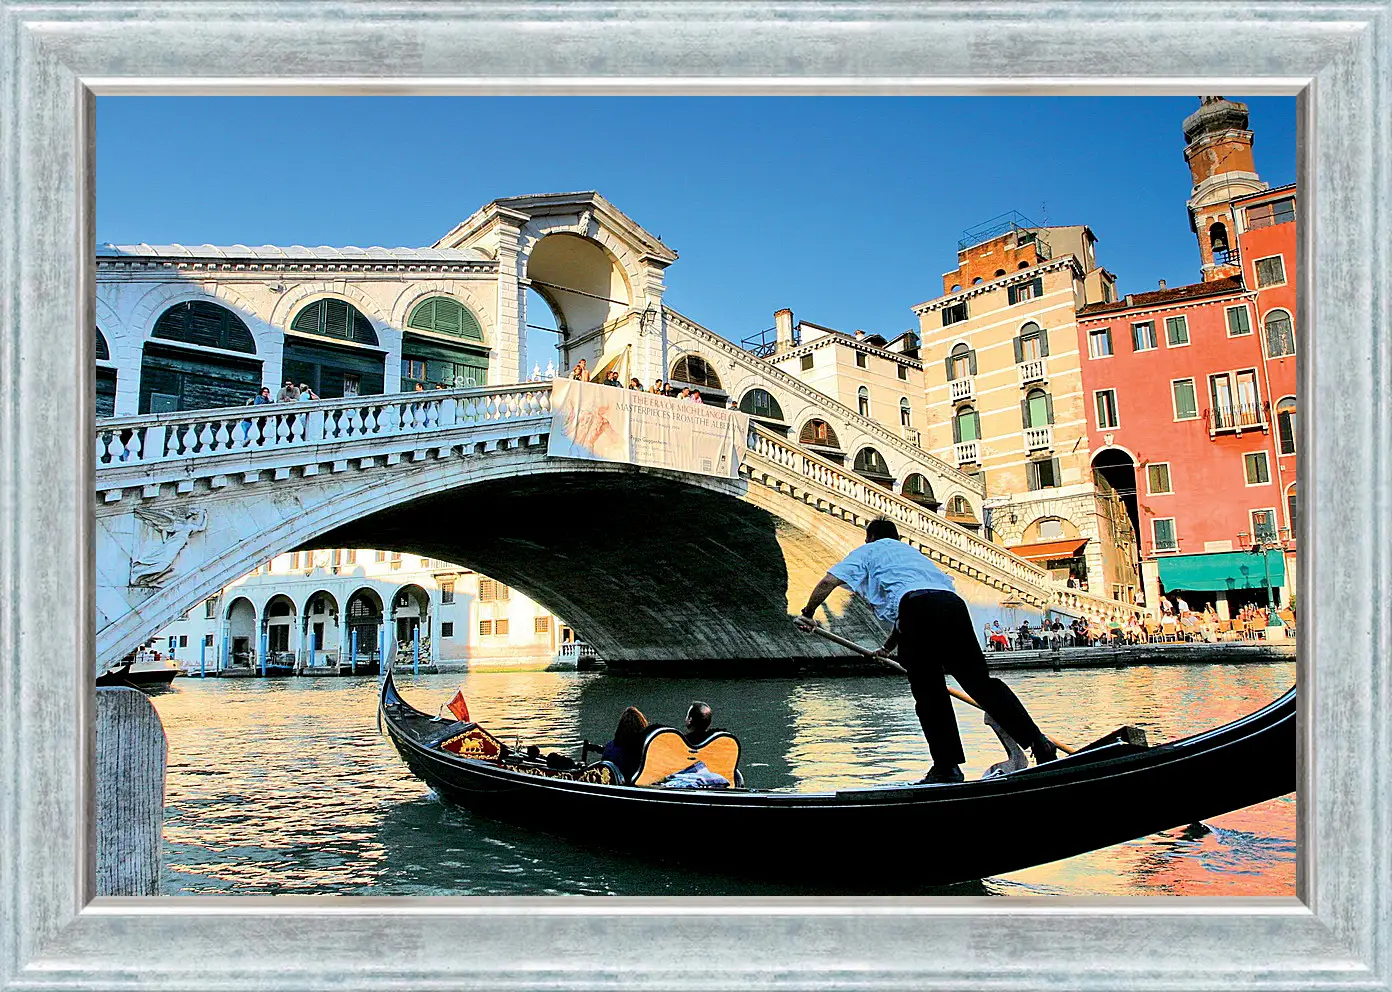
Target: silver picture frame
[[57, 56]]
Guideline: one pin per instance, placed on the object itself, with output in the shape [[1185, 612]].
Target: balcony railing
[[912, 435], [1039, 438], [967, 451], [962, 389], [1226, 256], [1034, 370], [1241, 418]]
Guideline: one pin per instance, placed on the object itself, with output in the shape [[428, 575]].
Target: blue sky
[[848, 210]]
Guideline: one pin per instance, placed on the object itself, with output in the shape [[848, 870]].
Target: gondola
[[1102, 795]]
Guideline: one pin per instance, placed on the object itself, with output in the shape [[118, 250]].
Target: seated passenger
[[698, 722], [626, 749]]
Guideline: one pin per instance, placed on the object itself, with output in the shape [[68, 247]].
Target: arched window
[[918, 489], [977, 281], [818, 432], [333, 318], [905, 412], [1051, 529], [959, 511], [444, 315], [1023, 265], [1037, 409], [999, 273], [1285, 425], [962, 362], [966, 425], [696, 371], [863, 401], [178, 373], [760, 403], [103, 350], [202, 322], [1280, 336], [871, 464], [956, 287], [1032, 343]]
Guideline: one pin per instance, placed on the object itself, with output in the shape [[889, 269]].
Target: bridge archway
[[241, 632], [319, 631], [278, 623], [587, 290], [363, 619], [410, 614]]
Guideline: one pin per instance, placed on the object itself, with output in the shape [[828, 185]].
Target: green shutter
[[1019, 350], [947, 363], [1044, 342], [956, 429], [972, 356], [1025, 414], [1049, 407], [307, 320], [1038, 286]]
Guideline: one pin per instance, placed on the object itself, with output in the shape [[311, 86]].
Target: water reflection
[[285, 786]]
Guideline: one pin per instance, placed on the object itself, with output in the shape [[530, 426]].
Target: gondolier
[[935, 637]]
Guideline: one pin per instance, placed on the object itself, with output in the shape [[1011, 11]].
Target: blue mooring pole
[[264, 638], [353, 650], [415, 669], [203, 659], [382, 650]]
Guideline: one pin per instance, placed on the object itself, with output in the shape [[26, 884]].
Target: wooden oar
[[954, 693]]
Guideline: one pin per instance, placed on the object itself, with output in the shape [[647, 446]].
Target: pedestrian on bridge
[[936, 638]]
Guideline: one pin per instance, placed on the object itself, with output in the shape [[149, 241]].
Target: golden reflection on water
[[285, 786]]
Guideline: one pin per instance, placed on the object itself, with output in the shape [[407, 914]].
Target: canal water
[[285, 786]]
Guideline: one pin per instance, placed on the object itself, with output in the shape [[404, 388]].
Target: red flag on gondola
[[459, 707]]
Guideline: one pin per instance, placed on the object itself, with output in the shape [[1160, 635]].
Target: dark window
[[905, 412], [1031, 290], [902, 370], [207, 324], [862, 360], [1269, 214], [1280, 336], [1239, 323], [103, 350], [541, 625], [818, 432], [1270, 271], [1164, 534], [335, 319], [1285, 425], [956, 313], [806, 362], [446, 629], [446, 592], [760, 403], [485, 628], [863, 401], [1143, 335], [1176, 331], [1106, 409], [210, 606], [695, 370], [1042, 474], [870, 462]]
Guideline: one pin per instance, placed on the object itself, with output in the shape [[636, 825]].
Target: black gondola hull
[[923, 834]]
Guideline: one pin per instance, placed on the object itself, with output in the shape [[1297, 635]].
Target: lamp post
[[1260, 543]]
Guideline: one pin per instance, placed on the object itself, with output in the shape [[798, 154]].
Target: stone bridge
[[645, 564]]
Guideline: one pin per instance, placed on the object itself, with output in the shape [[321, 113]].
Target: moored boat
[[1105, 794], [147, 672]]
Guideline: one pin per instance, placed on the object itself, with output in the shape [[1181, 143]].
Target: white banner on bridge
[[601, 423]]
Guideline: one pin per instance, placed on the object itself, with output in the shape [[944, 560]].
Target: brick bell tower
[[1219, 153]]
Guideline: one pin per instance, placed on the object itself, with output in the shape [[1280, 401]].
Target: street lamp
[[1260, 544]]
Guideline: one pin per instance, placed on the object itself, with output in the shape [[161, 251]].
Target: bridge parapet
[[945, 542], [151, 449]]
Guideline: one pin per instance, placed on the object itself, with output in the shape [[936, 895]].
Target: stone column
[[650, 332], [508, 359]]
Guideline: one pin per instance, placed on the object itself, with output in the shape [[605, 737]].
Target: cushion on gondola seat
[[666, 752], [473, 742]]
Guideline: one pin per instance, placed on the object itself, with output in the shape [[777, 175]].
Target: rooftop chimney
[[1162, 283], [783, 330]]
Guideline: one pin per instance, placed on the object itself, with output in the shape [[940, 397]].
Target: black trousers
[[937, 639]]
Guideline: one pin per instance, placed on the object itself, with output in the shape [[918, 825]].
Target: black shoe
[[1044, 750], [943, 775]]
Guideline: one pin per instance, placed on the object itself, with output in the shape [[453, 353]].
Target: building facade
[[1191, 389], [343, 606], [1004, 398]]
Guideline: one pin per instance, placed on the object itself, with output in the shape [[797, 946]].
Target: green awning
[[1222, 570]]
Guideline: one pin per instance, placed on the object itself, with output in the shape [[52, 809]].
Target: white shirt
[[884, 571]]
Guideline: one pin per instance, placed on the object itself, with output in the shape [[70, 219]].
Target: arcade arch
[[241, 633], [320, 631], [585, 287], [332, 346], [918, 489], [364, 621], [443, 346], [192, 360]]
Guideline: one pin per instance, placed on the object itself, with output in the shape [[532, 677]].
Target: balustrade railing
[[1237, 417], [125, 441], [912, 435], [967, 451], [1039, 438], [962, 389], [1034, 370], [773, 448]]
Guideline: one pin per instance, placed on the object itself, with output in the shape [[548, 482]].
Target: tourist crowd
[[1177, 623]]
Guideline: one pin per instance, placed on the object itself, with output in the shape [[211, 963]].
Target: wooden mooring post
[[130, 793]]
